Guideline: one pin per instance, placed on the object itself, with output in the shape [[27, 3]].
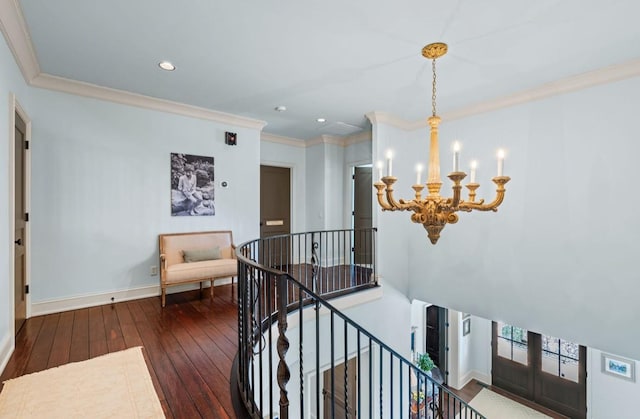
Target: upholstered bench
[[196, 257]]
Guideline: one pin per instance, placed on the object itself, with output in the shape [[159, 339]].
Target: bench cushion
[[199, 255], [185, 272]]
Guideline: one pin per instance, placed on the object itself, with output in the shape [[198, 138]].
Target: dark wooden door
[[549, 371], [275, 214], [560, 376], [432, 335], [20, 261], [362, 214], [435, 337], [344, 399], [511, 363]]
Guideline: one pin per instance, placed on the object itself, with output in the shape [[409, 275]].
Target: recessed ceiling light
[[280, 108], [166, 65], [321, 120]]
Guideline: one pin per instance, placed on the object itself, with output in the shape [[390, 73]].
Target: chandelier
[[435, 211]]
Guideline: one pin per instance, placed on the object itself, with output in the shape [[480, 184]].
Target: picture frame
[[466, 326], [619, 367], [192, 185]]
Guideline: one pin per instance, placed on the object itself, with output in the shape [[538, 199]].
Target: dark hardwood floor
[[189, 346]]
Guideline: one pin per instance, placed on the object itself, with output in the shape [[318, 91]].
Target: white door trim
[[15, 107]]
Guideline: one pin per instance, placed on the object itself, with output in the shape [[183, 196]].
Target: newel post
[[283, 346]]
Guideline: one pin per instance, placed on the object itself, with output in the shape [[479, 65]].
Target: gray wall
[[101, 190], [11, 82], [559, 256]]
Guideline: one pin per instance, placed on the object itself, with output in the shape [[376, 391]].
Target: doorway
[[20, 216], [436, 337], [275, 214], [362, 214], [340, 402], [547, 370]]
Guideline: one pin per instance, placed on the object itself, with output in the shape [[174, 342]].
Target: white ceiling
[[335, 59]]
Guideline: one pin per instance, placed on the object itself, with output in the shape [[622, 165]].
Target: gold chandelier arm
[[398, 205], [456, 178], [381, 200], [500, 181]]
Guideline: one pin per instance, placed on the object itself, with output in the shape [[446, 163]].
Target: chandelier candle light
[[435, 211]]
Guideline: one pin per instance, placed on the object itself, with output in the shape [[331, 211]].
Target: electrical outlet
[[154, 271]]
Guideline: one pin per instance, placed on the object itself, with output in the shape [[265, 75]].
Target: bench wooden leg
[[212, 289], [164, 295]]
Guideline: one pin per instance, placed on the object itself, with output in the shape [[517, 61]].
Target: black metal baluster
[[270, 295], [391, 383], [300, 353], [400, 404], [333, 371], [359, 374], [346, 373], [256, 333], [317, 358], [370, 379], [381, 387], [283, 346]]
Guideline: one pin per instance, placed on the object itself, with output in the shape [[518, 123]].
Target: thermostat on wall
[[230, 138]]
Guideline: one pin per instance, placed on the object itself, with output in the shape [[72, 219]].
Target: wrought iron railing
[[336, 368]]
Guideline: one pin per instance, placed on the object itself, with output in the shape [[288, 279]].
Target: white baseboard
[[92, 300], [474, 374], [6, 350]]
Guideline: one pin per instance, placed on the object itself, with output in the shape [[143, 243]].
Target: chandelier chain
[[433, 91]]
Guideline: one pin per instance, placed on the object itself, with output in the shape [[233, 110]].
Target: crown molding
[[360, 137], [47, 81], [604, 75], [279, 139], [15, 31], [327, 139], [582, 81], [377, 117], [340, 141]]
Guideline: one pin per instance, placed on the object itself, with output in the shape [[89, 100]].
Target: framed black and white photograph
[[192, 185], [466, 326], [619, 367]]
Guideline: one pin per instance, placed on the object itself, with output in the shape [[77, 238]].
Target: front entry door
[[547, 370], [436, 337], [275, 214], [19, 236]]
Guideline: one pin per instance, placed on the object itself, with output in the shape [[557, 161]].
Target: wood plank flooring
[[189, 346]]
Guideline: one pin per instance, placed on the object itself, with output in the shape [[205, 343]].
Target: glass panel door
[[513, 343]]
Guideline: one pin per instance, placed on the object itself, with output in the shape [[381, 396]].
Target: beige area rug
[[117, 385], [494, 406]]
